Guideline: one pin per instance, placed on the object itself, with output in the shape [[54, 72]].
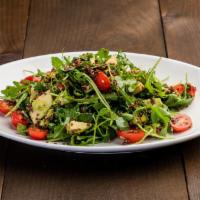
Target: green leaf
[[98, 93], [102, 55], [177, 102], [63, 98], [40, 86], [12, 92], [160, 115], [19, 101], [151, 78], [130, 84], [59, 133], [57, 63], [68, 60], [85, 117], [21, 129], [127, 116], [122, 124]]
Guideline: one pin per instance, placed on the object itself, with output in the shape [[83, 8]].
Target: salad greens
[[73, 106]]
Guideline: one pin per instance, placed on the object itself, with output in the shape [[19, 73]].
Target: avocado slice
[[40, 106], [112, 60], [75, 127]]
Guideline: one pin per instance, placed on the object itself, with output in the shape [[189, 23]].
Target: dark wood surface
[[181, 28], [165, 28]]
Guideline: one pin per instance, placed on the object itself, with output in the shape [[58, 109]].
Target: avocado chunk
[[139, 87], [40, 106], [112, 60], [75, 127]]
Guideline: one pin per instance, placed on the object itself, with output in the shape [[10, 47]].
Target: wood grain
[[89, 25], [181, 26], [32, 173], [13, 20]]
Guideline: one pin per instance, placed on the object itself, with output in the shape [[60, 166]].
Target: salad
[[95, 98]]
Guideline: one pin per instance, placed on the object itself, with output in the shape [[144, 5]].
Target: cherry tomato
[[192, 90], [132, 135], [17, 117], [102, 81], [33, 78], [37, 133], [179, 88], [4, 107], [180, 123]]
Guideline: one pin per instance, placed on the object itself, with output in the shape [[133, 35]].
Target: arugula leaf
[[177, 102], [40, 87], [101, 97], [57, 63], [59, 133], [68, 60], [151, 78], [19, 101], [85, 117], [159, 114], [130, 84], [124, 63], [63, 98], [12, 92], [127, 116], [102, 55], [121, 123], [21, 129]]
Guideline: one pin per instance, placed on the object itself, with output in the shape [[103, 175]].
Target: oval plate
[[176, 71]]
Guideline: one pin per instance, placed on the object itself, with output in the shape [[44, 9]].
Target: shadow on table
[[55, 174], [24, 155]]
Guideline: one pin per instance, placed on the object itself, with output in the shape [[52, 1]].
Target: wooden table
[[168, 28]]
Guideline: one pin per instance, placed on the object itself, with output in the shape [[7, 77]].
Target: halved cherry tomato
[[37, 133], [179, 88], [17, 117], [180, 123], [4, 107], [132, 135], [191, 90], [102, 81], [33, 78]]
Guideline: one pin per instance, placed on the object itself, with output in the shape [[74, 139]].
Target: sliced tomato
[[180, 123], [179, 88], [37, 133], [17, 117], [102, 81], [132, 135], [33, 78], [192, 90], [4, 107]]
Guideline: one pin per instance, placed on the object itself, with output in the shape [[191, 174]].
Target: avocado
[[158, 101], [112, 60], [33, 94], [139, 88], [75, 127], [45, 121], [153, 101], [40, 106]]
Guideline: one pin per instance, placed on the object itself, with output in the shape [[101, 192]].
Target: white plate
[[176, 70]]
